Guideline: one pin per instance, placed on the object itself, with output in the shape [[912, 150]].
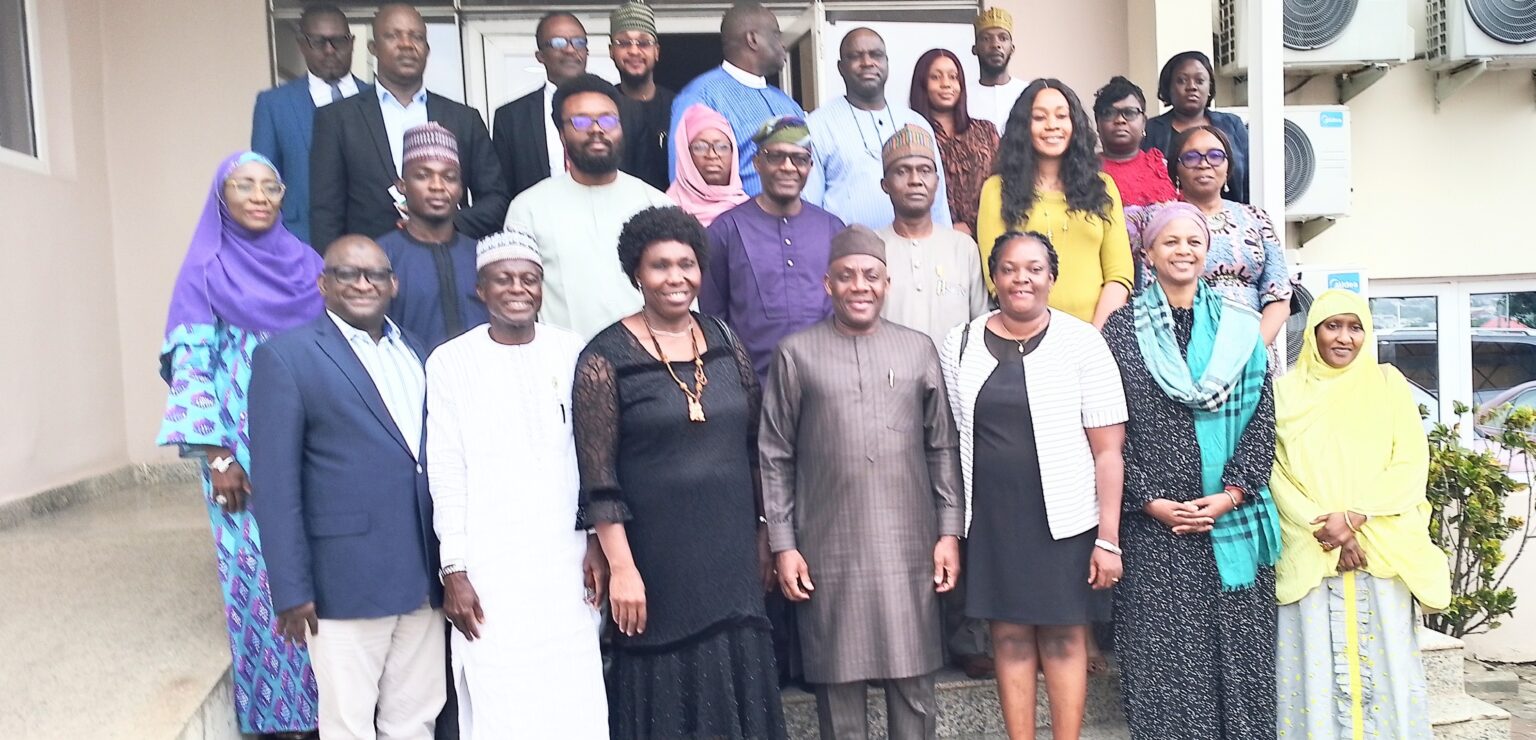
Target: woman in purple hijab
[[244, 279]]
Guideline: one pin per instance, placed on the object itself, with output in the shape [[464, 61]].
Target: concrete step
[[1466, 718]]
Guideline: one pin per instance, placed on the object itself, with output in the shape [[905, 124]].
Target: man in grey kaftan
[[861, 479]]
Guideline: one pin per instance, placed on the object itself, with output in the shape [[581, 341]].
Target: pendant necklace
[[695, 397]]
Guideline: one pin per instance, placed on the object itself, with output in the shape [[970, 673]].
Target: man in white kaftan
[[501, 461]]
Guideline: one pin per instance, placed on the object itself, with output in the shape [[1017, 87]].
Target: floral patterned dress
[[208, 368], [967, 164], [1245, 262]]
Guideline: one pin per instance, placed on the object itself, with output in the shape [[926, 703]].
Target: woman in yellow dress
[[1351, 463], [1049, 182]]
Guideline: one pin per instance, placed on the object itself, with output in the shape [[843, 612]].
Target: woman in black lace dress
[[666, 407], [1195, 611]]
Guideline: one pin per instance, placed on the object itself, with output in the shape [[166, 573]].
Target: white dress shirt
[[398, 374], [744, 77], [552, 143], [401, 118], [320, 90]]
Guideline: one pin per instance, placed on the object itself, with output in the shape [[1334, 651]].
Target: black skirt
[[722, 685]]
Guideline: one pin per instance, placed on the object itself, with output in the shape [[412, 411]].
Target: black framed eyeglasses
[[702, 148], [605, 122], [1127, 114], [348, 275], [777, 159], [1192, 158], [335, 42], [561, 43]]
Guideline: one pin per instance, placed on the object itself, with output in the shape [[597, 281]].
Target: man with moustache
[[336, 418], [849, 132], [861, 489], [738, 89], [434, 263], [498, 401], [635, 50], [575, 216], [993, 99], [283, 124], [764, 255], [359, 143]]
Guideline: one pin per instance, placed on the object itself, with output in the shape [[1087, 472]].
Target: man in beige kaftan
[[861, 486]]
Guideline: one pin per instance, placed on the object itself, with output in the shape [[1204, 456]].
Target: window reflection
[[1408, 337]]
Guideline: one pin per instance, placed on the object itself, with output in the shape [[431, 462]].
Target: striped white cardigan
[[1073, 384]]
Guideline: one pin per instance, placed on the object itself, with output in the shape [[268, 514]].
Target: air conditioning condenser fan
[[1314, 24], [1509, 21], [1300, 162]]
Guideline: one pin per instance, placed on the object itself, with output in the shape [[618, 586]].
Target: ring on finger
[[221, 499]]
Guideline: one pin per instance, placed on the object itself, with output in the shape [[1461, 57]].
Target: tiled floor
[[1521, 704]]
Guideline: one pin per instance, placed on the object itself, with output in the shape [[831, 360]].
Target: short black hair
[[316, 10], [1180, 138], [997, 249], [659, 224], [538, 30], [582, 83], [1165, 78], [1117, 89]]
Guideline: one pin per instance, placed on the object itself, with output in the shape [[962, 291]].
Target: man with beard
[[764, 255], [634, 48], [359, 142], [283, 125], [863, 496], [738, 89], [849, 132], [501, 460], [576, 216], [434, 263], [993, 99]]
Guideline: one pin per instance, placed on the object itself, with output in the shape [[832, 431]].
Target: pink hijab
[[703, 201]]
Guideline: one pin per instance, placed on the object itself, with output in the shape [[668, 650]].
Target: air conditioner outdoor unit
[[1317, 161], [1500, 32], [1321, 34]]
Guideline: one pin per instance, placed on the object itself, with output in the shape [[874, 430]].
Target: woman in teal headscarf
[[1195, 610]]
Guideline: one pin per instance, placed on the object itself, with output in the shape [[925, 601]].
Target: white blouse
[[1074, 384]]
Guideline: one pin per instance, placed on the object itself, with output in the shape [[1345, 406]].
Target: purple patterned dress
[[208, 368]]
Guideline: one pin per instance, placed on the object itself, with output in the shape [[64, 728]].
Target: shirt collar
[[347, 83], [352, 333], [385, 96], [743, 76]]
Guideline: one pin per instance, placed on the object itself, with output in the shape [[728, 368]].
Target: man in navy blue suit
[[337, 411], [283, 125]]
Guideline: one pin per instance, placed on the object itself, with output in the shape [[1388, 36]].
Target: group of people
[[574, 426]]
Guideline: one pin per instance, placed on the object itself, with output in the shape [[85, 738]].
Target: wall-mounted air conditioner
[[1320, 34], [1500, 32], [1317, 161], [1318, 278]]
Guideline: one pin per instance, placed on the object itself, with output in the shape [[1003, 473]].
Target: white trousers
[[380, 679]]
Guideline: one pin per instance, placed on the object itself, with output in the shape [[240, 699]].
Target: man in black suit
[[355, 161], [527, 142]]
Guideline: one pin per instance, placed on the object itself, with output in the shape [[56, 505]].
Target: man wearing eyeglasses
[[283, 124], [635, 49], [355, 161], [575, 215], [337, 420]]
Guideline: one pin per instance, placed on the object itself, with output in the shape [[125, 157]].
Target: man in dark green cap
[[635, 48]]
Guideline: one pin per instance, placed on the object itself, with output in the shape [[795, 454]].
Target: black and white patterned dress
[[1196, 662]]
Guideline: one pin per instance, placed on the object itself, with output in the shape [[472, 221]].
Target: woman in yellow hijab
[[1349, 476]]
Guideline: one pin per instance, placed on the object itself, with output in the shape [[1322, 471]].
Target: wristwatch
[[450, 569], [221, 464]]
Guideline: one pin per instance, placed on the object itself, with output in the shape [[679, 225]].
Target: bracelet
[[448, 570], [1228, 491], [1107, 546], [1351, 523]]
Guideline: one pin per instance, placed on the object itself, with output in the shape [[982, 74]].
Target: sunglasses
[[606, 122], [321, 42], [561, 43], [1192, 158], [777, 159]]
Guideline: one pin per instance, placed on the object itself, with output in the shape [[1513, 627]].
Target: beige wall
[[1085, 58], [61, 375], [1436, 193], [179, 99]]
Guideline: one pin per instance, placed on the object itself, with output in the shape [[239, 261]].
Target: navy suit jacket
[[343, 506], [282, 130]]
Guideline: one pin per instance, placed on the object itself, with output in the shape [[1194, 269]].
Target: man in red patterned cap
[[433, 261]]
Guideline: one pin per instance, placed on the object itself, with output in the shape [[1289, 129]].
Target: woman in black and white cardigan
[[1037, 400]]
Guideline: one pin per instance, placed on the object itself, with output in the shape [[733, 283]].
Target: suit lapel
[[373, 116], [335, 346], [538, 147], [302, 107]]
